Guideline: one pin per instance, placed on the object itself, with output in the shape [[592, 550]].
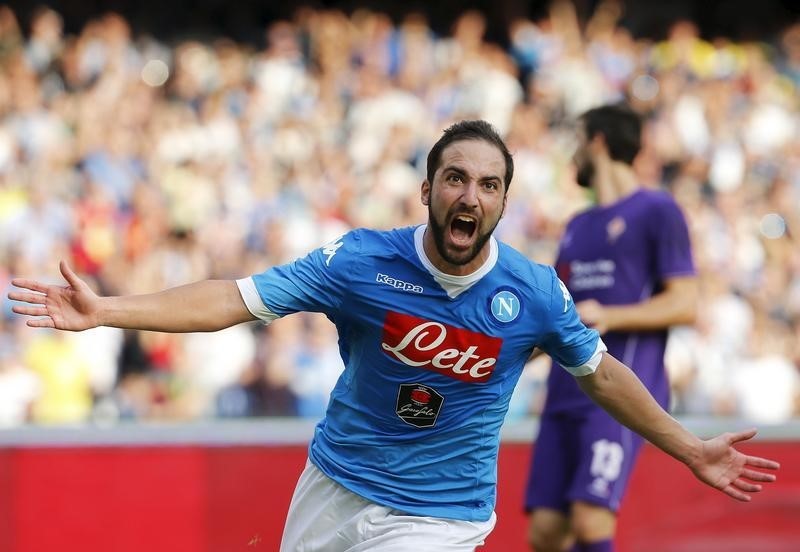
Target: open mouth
[[462, 229]]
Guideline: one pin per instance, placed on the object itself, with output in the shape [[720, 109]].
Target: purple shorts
[[586, 457]]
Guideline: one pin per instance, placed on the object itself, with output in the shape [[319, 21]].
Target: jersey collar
[[454, 285]]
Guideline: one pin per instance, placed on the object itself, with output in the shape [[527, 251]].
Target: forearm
[[673, 306], [204, 306], [617, 389]]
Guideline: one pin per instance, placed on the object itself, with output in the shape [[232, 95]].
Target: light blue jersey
[[431, 361]]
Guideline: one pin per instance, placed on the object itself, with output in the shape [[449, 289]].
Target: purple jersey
[[621, 254]]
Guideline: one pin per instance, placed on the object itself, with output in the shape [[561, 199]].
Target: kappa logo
[[453, 352], [329, 250], [565, 294], [398, 284]]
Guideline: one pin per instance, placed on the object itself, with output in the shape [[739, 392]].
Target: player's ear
[[425, 192]]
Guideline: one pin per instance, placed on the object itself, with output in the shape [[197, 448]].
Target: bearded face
[[465, 202], [459, 228]]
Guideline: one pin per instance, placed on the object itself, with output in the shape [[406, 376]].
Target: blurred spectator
[[64, 374], [150, 164], [19, 386]]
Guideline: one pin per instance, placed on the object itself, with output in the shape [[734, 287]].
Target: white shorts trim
[[326, 517]]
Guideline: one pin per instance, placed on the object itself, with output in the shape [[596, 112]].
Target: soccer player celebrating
[[627, 263], [435, 323]]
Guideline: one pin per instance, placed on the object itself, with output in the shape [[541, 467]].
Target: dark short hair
[[469, 130], [621, 127]]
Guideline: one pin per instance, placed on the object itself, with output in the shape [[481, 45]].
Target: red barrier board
[[234, 498], [667, 510]]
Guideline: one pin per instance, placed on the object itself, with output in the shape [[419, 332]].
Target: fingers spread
[[35, 298], [759, 462], [41, 323], [742, 435], [32, 285], [733, 492], [69, 275], [29, 311], [754, 475], [746, 486]]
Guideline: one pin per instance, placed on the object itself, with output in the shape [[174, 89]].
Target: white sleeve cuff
[[253, 302], [590, 366]]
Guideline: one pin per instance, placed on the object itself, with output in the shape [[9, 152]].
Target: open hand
[[725, 468], [72, 307]]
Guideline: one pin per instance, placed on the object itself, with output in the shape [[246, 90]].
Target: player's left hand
[[593, 314], [725, 468]]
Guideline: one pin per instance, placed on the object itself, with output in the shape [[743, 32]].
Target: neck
[[613, 181], [436, 259]]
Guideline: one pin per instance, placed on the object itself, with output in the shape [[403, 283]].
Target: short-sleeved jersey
[[622, 254], [413, 422]]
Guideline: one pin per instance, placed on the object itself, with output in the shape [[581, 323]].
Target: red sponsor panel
[[249, 490], [667, 510], [109, 499], [454, 352], [231, 498], [6, 503]]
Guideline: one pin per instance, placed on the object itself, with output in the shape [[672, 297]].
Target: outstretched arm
[[714, 462], [204, 306]]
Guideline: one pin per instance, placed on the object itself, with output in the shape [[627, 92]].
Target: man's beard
[[585, 174], [464, 257]]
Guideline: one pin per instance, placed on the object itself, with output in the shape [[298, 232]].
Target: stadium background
[[154, 143]]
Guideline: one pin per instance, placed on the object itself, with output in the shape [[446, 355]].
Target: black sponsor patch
[[418, 404]]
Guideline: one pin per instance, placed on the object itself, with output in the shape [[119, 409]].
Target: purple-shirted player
[[627, 263]]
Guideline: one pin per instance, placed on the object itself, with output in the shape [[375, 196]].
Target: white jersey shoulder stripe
[[590, 366], [247, 288]]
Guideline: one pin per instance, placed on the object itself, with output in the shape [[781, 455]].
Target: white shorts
[[326, 517]]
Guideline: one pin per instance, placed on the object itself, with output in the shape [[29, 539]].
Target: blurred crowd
[[148, 164]]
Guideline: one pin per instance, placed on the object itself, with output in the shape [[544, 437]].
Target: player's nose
[[470, 194]]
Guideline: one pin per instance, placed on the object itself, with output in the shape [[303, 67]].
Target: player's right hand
[[73, 307]]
